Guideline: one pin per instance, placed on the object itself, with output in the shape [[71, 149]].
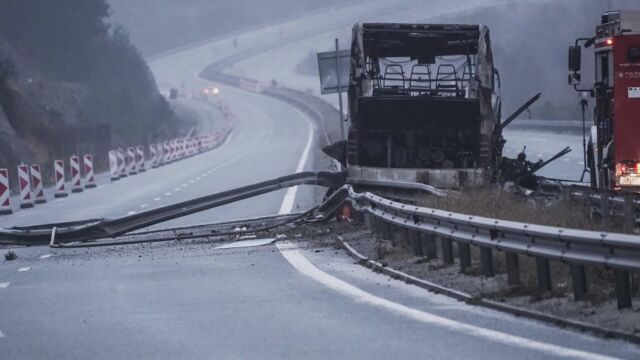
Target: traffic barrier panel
[[122, 163], [131, 161], [5, 193], [160, 151], [140, 159], [113, 165], [37, 189], [26, 199], [89, 174], [58, 167], [166, 150], [76, 180], [153, 154], [173, 149]]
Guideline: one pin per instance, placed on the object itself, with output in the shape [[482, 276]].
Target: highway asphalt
[[290, 300]]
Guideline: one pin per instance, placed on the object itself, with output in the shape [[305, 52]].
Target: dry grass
[[494, 203]]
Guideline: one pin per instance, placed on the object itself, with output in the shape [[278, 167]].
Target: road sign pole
[[339, 89]]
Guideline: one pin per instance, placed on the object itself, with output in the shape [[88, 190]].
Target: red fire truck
[[613, 149]]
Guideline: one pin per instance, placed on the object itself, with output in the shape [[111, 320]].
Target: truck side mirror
[[575, 57]]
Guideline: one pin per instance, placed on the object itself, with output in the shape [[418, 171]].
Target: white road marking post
[[154, 156], [114, 170], [122, 163], [26, 199], [36, 185], [89, 176], [5, 193], [76, 180], [166, 150], [131, 161], [23, 269], [58, 167], [140, 159]]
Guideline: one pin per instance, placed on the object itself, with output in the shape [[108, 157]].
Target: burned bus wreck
[[423, 105]]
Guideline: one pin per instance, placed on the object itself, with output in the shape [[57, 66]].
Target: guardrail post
[[544, 274], [464, 251], [579, 280], [604, 210], [586, 198], [629, 215], [623, 289], [416, 243], [429, 246], [368, 222], [447, 251], [513, 269], [486, 262], [377, 227]]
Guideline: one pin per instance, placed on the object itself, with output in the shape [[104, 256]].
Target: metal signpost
[[334, 75]]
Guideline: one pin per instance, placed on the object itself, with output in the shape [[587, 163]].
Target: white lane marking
[[132, 212], [184, 185], [24, 269], [157, 199], [210, 172], [191, 181], [177, 189], [197, 177], [290, 196], [298, 261], [144, 205], [246, 243], [1, 335], [4, 285], [45, 256], [168, 193]]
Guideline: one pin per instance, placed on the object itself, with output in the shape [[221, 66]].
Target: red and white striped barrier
[[160, 150], [89, 176], [76, 180], [114, 172], [153, 154], [122, 163], [140, 159], [172, 151], [166, 150], [37, 189], [5, 193], [131, 161], [26, 199], [58, 167]]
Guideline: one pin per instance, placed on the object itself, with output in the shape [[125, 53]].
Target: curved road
[[190, 299]]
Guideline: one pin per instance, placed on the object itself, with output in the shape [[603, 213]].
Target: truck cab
[[613, 151], [423, 105]]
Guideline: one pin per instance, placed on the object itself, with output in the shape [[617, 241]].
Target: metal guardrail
[[577, 248], [608, 204], [110, 228]]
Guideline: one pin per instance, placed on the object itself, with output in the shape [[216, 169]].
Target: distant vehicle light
[[609, 42], [215, 91], [206, 91]]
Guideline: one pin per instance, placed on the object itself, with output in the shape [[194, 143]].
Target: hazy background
[[530, 38], [158, 25]]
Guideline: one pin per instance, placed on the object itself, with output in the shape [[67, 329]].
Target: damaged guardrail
[[578, 248], [110, 228]]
